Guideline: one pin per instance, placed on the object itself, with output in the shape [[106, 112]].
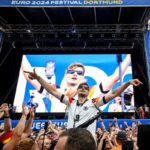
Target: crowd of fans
[[52, 137]]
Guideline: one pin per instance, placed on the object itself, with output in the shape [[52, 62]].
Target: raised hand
[[5, 107], [104, 135], [133, 118], [125, 123], [32, 113], [135, 82], [32, 75], [25, 110], [100, 119]]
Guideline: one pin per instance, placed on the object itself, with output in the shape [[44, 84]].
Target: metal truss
[[111, 36], [95, 28]]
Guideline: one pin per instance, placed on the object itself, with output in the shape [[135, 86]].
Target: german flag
[[6, 137]]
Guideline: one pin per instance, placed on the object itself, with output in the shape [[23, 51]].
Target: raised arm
[[108, 83], [28, 127], [102, 124], [50, 88], [7, 121], [121, 88], [116, 92], [126, 124], [116, 122], [18, 130], [26, 65]]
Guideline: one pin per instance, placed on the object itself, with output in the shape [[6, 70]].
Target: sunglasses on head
[[77, 71]]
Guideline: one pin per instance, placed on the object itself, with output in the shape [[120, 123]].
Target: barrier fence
[[39, 124]]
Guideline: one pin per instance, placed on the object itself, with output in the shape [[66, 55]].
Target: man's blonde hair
[[74, 65]]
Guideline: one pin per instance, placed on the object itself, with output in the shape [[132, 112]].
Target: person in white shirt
[[82, 109]]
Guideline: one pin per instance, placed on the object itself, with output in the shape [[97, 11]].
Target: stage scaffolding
[[46, 37]]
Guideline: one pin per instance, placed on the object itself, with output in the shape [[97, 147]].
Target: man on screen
[[74, 75], [82, 109]]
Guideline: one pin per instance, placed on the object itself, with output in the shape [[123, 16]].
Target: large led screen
[[103, 73]]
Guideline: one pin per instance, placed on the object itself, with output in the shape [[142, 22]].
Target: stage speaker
[[143, 140]]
